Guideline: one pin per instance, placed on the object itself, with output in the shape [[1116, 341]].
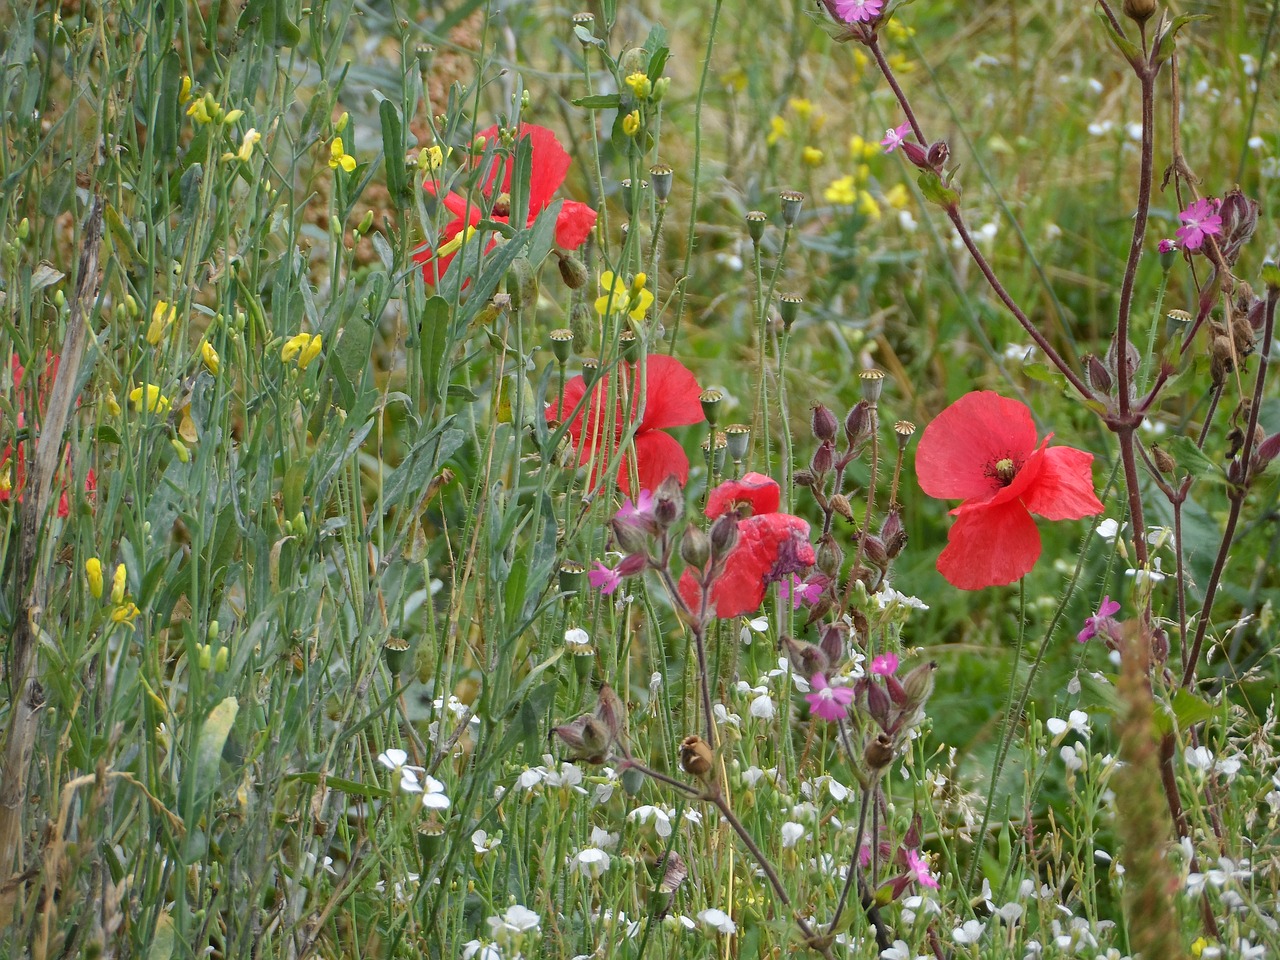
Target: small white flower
[[477, 950], [661, 819], [1248, 951], [1199, 758], [792, 833], [1097, 128], [886, 596], [718, 920], [762, 707], [483, 843], [397, 761], [970, 932], [724, 717], [1109, 529], [576, 637], [756, 624], [433, 796], [1010, 913], [1152, 575], [603, 838], [1078, 721], [591, 862], [1074, 756], [531, 777], [514, 921], [899, 951]]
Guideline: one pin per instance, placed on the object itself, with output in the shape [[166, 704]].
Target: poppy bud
[[823, 422], [668, 503], [1164, 462], [893, 534], [696, 758], [661, 175], [522, 284], [695, 548], [738, 436], [918, 684], [1139, 10], [724, 535], [878, 753], [872, 382], [789, 309], [572, 270], [580, 322], [1097, 375], [824, 459], [832, 643], [938, 155], [756, 220], [829, 556], [792, 201], [857, 425]]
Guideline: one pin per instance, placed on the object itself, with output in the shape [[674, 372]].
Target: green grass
[[204, 774]]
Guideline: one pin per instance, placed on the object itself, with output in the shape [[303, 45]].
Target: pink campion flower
[[603, 578], [827, 702], [800, 591], [858, 11], [1199, 220], [918, 868], [895, 137], [640, 511], [1168, 245], [1099, 620], [885, 665]]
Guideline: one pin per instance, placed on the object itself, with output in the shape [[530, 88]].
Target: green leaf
[[1123, 44], [164, 939], [1168, 39], [935, 191], [1191, 459], [352, 787], [393, 154], [599, 101], [433, 341], [207, 763]]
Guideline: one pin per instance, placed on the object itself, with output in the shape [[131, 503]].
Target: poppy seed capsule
[[1139, 10], [710, 400], [562, 344], [872, 382], [661, 175], [823, 422], [789, 309], [629, 196], [756, 220], [395, 651], [695, 548], [696, 758], [715, 455], [792, 201], [590, 370], [738, 436], [629, 346], [571, 572]]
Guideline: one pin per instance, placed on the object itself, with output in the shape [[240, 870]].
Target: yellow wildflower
[[430, 159], [117, 584], [860, 149], [640, 85], [310, 352], [454, 245], [803, 109], [199, 110], [338, 157], [898, 30], [867, 206], [778, 129], [6, 479], [126, 613], [736, 80], [155, 401], [232, 116], [631, 123], [843, 192], [811, 156], [900, 63], [617, 297], [210, 357], [860, 59], [185, 93], [113, 406], [897, 196], [293, 346], [93, 573], [247, 143], [162, 317]]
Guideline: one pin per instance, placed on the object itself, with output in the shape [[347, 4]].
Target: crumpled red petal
[[671, 394], [760, 492], [990, 546], [1064, 488]]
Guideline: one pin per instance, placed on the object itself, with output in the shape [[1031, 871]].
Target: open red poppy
[[983, 450], [771, 547], [670, 400], [549, 164], [13, 467]]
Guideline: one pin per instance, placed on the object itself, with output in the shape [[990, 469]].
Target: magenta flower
[[639, 512], [828, 702], [918, 868], [1100, 620], [885, 665], [1168, 245], [603, 578], [800, 591], [858, 11], [894, 138], [1199, 220]]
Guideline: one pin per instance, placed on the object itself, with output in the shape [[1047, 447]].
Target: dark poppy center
[[1003, 471], [502, 206]]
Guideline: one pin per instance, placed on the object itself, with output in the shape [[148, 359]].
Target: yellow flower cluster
[[148, 397], [617, 297], [304, 348], [123, 610]]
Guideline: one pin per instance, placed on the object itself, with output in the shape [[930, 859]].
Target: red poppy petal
[[573, 392], [690, 592], [990, 546], [574, 225], [671, 399], [658, 456], [769, 545], [756, 489], [1064, 488], [961, 442], [1027, 477], [550, 164]]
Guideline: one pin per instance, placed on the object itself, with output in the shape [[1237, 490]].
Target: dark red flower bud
[[830, 556], [1239, 220], [806, 658], [857, 425], [873, 549], [668, 502], [918, 684], [1096, 372], [630, 537], [878, 704], [632, 564], [916, 154], [893, 534], [824, 459], [803, 478], [695, 548], [878, 752], [938, 155], [833, 641], [823, 422], [724, 536]]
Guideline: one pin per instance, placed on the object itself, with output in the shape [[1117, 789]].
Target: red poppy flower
[[982, 449], [13, 466], [771, 547], [549, 164], [671, 400]]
